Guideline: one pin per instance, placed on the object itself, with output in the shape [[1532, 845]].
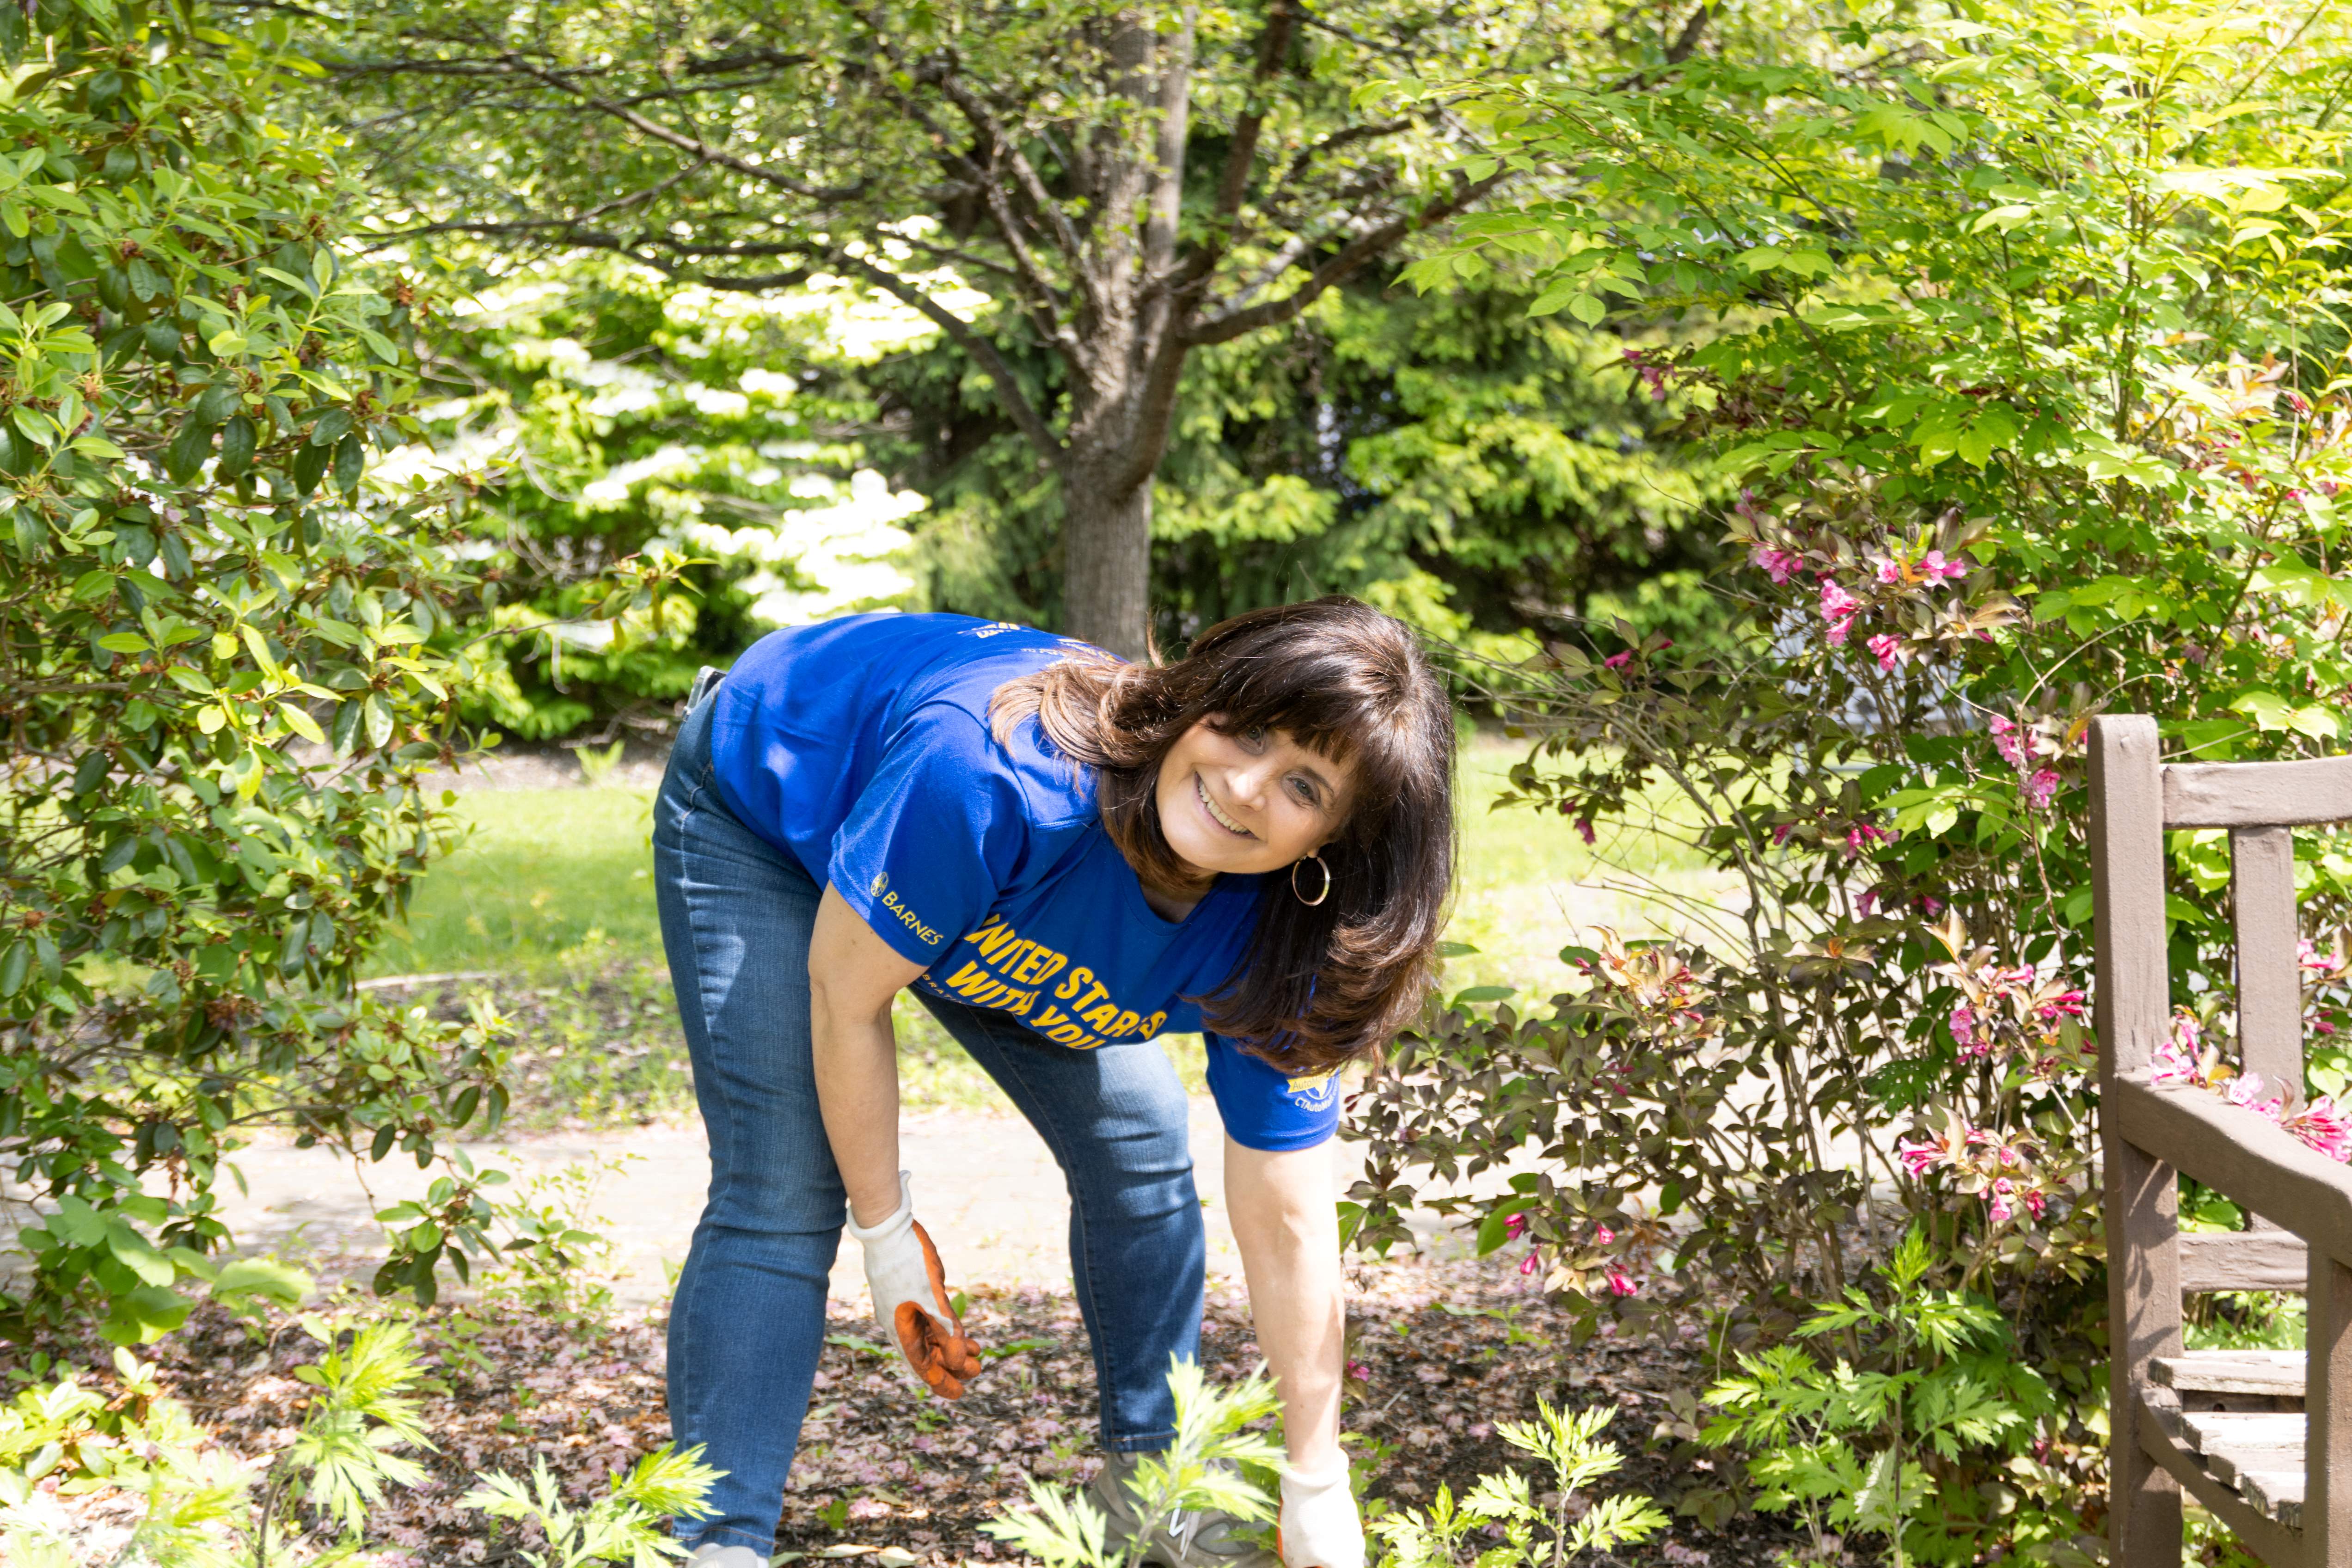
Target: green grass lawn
[[552, 891]]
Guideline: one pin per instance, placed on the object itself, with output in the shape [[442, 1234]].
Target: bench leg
[[2143, 1321], [2327, 1404]]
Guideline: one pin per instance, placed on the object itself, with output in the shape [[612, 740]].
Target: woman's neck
[[1174, 904]]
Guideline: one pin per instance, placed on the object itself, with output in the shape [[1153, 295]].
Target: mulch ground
[[1446, 1351]]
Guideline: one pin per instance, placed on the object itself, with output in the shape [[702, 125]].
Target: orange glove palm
[[911, 1300], [936, 1346]]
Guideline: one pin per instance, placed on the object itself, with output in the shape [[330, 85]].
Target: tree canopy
[[1116, 185]]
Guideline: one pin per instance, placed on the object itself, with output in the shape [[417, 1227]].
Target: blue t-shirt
[[862, 748]]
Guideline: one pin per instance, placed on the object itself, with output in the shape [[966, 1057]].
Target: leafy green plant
[[1203, 1467], [553, 1260], [1570, 1442], [1847, 1446], [199, 1510], [625, 1525]]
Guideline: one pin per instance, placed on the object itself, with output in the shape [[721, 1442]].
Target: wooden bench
[[2264, 1439]]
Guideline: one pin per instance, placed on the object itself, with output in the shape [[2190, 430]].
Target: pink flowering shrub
[[1978, 509]]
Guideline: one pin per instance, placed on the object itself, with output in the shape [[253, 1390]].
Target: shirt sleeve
[[932, 839], [1266, 1108]]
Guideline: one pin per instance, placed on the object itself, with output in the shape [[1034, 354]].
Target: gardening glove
[[1319, 1526], [910, 1298]]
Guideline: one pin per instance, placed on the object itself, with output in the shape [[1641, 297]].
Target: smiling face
[[1255, 801]]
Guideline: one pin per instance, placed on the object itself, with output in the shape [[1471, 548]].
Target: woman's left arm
[[1283, 1217]]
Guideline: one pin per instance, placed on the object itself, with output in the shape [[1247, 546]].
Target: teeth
[[1223, 821]]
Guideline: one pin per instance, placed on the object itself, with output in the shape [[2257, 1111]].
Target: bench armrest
[[2244, 1156]]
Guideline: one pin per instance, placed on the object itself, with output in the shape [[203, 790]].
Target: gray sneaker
[[1190, 1538]]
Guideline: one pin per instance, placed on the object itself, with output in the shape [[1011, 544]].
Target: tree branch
[[1016, 404], [1340, 268], [1273, 49], [513, 67]]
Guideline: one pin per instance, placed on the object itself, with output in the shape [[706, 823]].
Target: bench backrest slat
[[2133, 998], [2270, 980], [2257, 795]]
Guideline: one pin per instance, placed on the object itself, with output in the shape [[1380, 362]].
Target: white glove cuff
[[898, 1224], [1298, 1486]]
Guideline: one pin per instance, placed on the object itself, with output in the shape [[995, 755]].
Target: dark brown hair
[[1321, 984]]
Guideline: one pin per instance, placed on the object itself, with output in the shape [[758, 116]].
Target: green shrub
[[2018, 325], [216, 666]]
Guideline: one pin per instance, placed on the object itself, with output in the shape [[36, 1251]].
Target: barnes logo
[[928, 935]]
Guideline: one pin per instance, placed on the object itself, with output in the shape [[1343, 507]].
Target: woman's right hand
[[911, 1303]]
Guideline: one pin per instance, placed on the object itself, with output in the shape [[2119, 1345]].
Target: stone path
[[985, 1186]]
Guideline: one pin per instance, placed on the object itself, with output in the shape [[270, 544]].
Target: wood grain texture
[[2245, 1157], [2270, 982], [2132, 997], [2134, 993], [2266, 1259], [2258, 1532], [2327, 1398], [2279, 1374], [2257, 795]]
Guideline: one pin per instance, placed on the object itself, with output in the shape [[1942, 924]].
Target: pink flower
[[2000, 1195], [1933, 567], [1921, 1157], [2034, 1200], [2173, 1064], [1931, 907], [2245, 1092], [1838, 607], [1584, 828], [1620, 1282], [1529, 1264], [1890, 571], [1618, 660], [2324, 1126], [1360, 1371], [1780, 834], [2012, 743], [2065, 1005], [2040, 788], [1866, 903], [1779, 565], [1963, 1024], [1887, 649], [1862, 835], [1514, 1226], [1603, 1236]]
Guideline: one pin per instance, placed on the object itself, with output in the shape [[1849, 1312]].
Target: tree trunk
[[1107, 565]]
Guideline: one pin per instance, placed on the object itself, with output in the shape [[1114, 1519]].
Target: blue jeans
[[747, 1324]]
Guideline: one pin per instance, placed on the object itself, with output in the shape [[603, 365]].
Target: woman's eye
[[1255, 734]]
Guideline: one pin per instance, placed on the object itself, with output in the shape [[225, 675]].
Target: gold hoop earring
[[1302, 898]]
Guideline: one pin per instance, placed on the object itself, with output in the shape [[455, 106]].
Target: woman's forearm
[[1282, 1218], [853, 978], [857, 1091]]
